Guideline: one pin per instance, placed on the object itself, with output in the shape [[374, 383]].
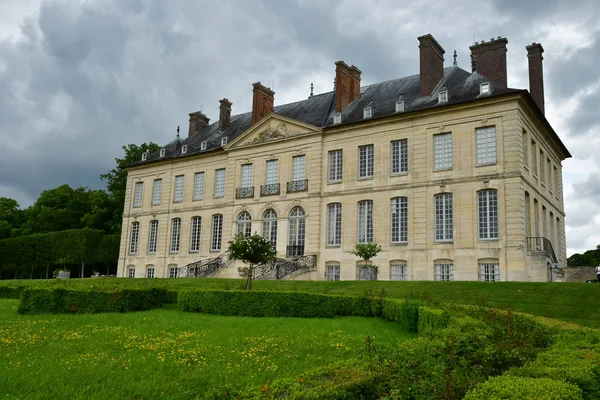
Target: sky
[[79, 79]]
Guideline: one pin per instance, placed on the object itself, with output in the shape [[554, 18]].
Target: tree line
[[590, 258]]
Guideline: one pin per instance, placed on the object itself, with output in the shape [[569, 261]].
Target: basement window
[[399, 106], [443, 97], [484, 88], [144, 156], [162, 152], [184, 149], [203, 146], [224, 141], [367, 112], [337, 118]]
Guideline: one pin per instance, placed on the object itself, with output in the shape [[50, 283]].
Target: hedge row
[[11, 292], [64, 301], [517, 388]]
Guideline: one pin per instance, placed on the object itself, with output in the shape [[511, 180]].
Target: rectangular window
[[486, 145], [246, 172], [198, 185], [173, 272], [542, 167], [139, 191], [487, 204], [399, 220], [534, 163], [549, 171], [131, 272], [489, 272], [217, 232], [336, 164], [398, 272], [153, 236], [366, 161], [272, 172], [220, 182], [175, 235], [443, 217], [367, 113], [150, 272], [178, 198], [444, 272], [365, 221], [195, 234], [333, 272], [334, 224], [298, 168], [556, 178], [399, 156], [135, 237], [442, 151], [399, 106], [156, 191], [525, 149]]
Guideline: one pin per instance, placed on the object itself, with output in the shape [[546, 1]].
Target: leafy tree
[[252, 250], [366, 251], [11, 216], [589, 258]]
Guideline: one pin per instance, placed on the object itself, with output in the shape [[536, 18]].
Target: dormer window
[[443, 97], [224, 141], [399, 106], [184, 149], [337, 118], [484, 88], [162, 152], [367, 112], [144, 156], [203, 146]]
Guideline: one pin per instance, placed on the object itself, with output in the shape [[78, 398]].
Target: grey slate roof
[[319, 110]]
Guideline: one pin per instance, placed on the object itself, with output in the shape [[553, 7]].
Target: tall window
[[272, 172], [173, 272], [534, 162], [399, 156], [549, 172], [150, 272], [542, 167], [442, 151], [525, 149], [244, 223], [398, 271], [444, 271], [246, 172], [556, 178], [269, 226], [195, 234], [365, 221], [298, 168], [366, 161], [198, 185], [489, 271], [135, 238], [487, 205], [131, 272], [217, 232], [296, 233], [399, 220], [443, 217], [486, 145], [336, 164], [156, 191], [175, 235], [334, 224], [333, 272], [220, 182], [139, 192], [153, 236], [528, 224], [178, 197]]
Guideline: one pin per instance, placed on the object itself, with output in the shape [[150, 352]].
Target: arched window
[[296, 232], [269, 226], [244, 223]]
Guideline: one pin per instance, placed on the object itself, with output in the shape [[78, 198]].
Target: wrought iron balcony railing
[[280, 268], [297, 186], [244, 193], [541, 244], [295, 251], [269, 190]]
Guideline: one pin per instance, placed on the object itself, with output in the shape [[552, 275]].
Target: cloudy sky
[[79, 79]]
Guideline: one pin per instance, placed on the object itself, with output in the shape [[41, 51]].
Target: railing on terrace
[[541, 245], [244, 193], [269, 190], [280, 268], [297, 186], [205, 268]]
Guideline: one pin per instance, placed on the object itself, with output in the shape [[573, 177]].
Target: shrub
[[431, 319], [11, 292], [518, 388]]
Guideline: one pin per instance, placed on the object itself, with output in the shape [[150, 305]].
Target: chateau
[[456, 176]]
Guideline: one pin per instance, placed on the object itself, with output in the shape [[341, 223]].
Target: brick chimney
[[347, 85], [431, 59], [224, 114], [536, 73], [489, 60], [262, 101], [198, 121]]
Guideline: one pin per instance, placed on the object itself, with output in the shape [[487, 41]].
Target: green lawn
[[165, 353]]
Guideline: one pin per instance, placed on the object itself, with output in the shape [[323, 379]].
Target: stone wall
[[579, 274]]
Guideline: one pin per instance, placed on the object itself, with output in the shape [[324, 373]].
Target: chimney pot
[[536, 73], [431, 59], [489, 60], [347, 84], [198, 121], [262, 101]]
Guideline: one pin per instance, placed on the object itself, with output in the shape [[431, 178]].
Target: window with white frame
[[178, 197], [150, 272], [367, 112], [398, 271], [365, 221], [244, 224], [153, 236], [135, 237], [131, 272], [399, 149], [144, 156], [442, 151], [217, 232], [336, 165], [184, 149], [444, 271], [299, 168], [139, 192], [333, 272], [162, 152], [203, 146], [223, 141], [269, 226], [484, 88], [246, 175], [366, 161], [198, 185], [196, 229], [366, 272], [173, 272], [443, 96], [334, 224], [337, 118], [399, 220], [296, 232], [486, 145], [220, 182], [272, 177], [156, 191], [399, 106], [487, 206], [489, 271], [175, 234], [443, 217]]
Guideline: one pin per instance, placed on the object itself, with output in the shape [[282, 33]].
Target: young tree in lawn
[[252, 250], [367, 251]]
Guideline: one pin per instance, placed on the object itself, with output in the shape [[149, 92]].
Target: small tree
[[252, 250], [367, 251]]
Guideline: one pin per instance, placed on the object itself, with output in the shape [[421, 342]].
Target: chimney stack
[[536, 73], [347, 85], [262, 101], [224, 114], [431, 58], [489, 60], [198, 121]]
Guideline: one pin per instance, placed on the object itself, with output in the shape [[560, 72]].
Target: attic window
[[224, 141], [337, 118], [203, 146], [144, 156], [399, 106], [367, 112], [443, 97], [162, 152], [184, 149], [484, 88]]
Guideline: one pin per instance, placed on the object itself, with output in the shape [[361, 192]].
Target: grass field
[[165, 353]]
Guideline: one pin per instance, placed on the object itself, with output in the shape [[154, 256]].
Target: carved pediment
[[270, 132]]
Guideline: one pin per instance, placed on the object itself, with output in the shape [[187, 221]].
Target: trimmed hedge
[[518, 388], [431, 319], [11, 292], [69, 301]]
